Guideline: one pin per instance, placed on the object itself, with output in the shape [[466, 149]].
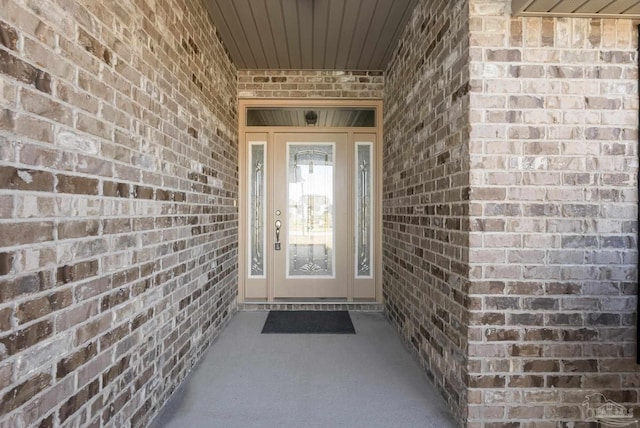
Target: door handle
[[278, 225]]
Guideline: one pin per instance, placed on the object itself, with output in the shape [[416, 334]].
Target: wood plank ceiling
[[310, 34], [584, 8]]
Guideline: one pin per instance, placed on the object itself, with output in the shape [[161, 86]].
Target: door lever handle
[[278, 225]]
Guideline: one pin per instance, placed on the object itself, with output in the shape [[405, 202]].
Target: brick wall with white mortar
[[553, 246], [310, 84], [425, 194], [552, 214], [118, 232]]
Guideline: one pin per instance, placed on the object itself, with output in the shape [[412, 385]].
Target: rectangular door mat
[[309, 322]]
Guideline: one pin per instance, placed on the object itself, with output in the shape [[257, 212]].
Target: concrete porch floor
[[248, 379]]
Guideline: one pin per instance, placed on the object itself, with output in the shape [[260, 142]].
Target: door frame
[[243, 130]]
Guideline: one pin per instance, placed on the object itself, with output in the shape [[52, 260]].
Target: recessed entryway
[[310, 220]]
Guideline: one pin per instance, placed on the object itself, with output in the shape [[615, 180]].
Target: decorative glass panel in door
[[310, 231], [364, 210], [364, 217], [257, 206]]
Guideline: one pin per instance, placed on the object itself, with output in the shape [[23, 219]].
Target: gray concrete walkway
[[248, 379]]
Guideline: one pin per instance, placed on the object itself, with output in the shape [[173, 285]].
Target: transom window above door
[[320, 117]]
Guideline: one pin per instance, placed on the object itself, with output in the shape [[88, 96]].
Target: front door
[[311, 215]]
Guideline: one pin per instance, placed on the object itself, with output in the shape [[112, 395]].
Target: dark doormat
[[309, 322]]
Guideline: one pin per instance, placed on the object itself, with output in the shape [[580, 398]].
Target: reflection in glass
[[325, 117], [310, 233], [363, 210], [257, 213]]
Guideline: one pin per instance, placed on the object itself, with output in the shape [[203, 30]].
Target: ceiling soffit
[[350, 34], [310, 34], [629, 9]]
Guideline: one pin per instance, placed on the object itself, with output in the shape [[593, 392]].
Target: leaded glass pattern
[[310, 230], [364, 207], [257, 238]]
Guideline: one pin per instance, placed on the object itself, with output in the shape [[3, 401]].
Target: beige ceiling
[[586, 8], [310, 34]]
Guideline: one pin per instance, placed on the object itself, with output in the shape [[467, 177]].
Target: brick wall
[[425, 195], [554, 114], [118, 232], [310, 84], [551, 250]]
